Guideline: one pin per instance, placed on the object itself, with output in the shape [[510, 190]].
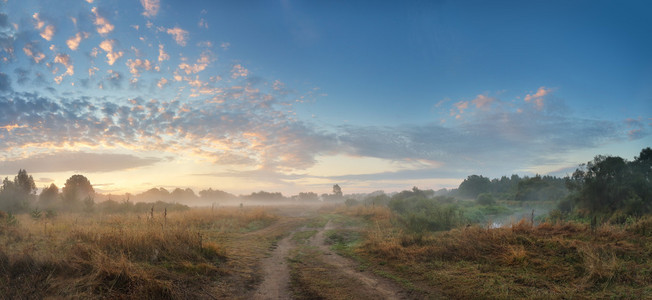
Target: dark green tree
[[610, 184], [485, 199], [473, 186]]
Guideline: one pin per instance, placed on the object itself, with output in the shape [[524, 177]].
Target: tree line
[[608, 186]]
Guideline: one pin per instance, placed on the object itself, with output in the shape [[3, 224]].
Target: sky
[[296, 96]]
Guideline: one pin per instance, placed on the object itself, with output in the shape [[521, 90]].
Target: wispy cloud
[[538, 97], [151, 7], [103, 25], [202, 23], [73, 42], [65, 60], [162, 55], [47, 31], [180, 36], [202, 62], [239, 71], [111, 55], [137, 65], [32, 51]]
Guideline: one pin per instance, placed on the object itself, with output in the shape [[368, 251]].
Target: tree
[[17, 195], [76, 189], [485, 199], [211, 194], [48, 196], [337, 190], [25, 183], [610, 184], [473, 186], [309, 196], [183, 195]]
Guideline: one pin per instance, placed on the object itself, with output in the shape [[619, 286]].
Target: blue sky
[[299, 95]]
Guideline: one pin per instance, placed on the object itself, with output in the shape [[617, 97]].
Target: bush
[[350, 202], [485, 199]]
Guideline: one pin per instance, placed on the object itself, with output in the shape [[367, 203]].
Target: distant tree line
[[608, 186], [514, 188]]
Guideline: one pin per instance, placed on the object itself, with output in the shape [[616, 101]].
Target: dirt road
[[276, 282]]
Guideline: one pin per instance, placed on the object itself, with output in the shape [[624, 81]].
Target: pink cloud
[[239, 71], [65, 60], [33, 53], [538, 97], [161, 54], [73, 42], [151, 7], [179, 35], [461, 105], [137, 65], [161, 83], [111, 56], [103, 25], [482, 101]]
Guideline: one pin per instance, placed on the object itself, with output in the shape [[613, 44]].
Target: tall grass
[[522, 260], [118, 256]]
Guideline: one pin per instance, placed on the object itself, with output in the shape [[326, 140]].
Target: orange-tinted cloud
[[111, 55], [538, 97], [151, 7], [73, 42], [179, 35], [103, 25]]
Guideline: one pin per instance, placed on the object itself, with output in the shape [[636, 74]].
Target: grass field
[[337, 252]]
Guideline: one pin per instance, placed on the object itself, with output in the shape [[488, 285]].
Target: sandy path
[[382, 286], [276, 273]]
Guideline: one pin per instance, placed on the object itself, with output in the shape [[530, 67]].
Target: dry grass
[[521, 261], [124, 256]]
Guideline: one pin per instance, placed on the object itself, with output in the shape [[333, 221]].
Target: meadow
[[333, 251]]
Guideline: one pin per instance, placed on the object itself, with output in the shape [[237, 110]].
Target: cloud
[[225, 45], [74, 161], [482, 101], [239, 71], [137, 65], [151, 7], [202, 23], [73, 42], [636, 128], [201, 64], [538, 97], [65, 60], [102, 24], [494, 143], [47, 31], [7, 37], [179, 35], [161, 54], [250, 130], [108, 47], [161, 83]]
